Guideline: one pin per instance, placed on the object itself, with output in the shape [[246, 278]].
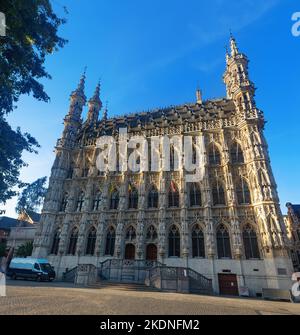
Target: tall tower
[[238, 85], [73, 121], [59, 171], [95, 105], [266, 206]]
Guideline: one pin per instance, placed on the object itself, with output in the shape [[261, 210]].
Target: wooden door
[[151, 252], [130, 251], [228, 284]]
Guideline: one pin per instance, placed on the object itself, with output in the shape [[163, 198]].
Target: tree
[[32, 196], [2, 249], [25, 249], [31, 35]]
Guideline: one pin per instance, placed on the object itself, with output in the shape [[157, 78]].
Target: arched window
[[173, 195], [130, 234], [153, 197], [151, 233], [198, 242], [64, 203], [91, 242], [55, 243], [223, 242], [218, 194], [174, 242], [214, 156], [97, 201], [236, 154], [243, 193], [110, 241], [114, 199], [250, 243], [73, 241], [133, 198], [80, 202], [195, 195]]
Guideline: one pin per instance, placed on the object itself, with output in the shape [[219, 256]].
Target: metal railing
[[70, 275], [126, 270], [197, 283]]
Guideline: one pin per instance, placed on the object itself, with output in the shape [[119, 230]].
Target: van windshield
[[46, 267]]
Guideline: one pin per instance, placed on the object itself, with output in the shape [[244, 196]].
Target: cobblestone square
[[32, 298]]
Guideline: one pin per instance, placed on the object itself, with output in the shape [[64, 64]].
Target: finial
[[199, 96], [105, 111], [233, 45], [80, 89]]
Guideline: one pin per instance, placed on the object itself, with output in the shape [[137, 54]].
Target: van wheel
[[38, 278], [14, 277]]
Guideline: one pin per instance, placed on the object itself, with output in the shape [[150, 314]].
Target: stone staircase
[[103, 284]]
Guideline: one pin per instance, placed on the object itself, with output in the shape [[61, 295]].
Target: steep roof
[[163, 117]]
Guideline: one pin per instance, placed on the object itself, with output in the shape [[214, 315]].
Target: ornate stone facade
[[230, 222], [292, 221]]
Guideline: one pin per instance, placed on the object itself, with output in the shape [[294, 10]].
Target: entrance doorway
[[130, 251], [228, 284], [151, 252]]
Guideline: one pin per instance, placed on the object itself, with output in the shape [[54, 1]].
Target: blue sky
[[154, 53]]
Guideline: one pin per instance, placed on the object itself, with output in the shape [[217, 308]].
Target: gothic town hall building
[[229, 227]]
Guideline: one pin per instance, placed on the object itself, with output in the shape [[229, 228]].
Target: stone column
[[162, 219], [120, 224], [140, 243]]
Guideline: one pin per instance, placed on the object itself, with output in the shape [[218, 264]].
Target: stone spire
[[95, 105], [236, 77], [199, 96], [79, 92], [105, 112], [233, 46], [72, 121]]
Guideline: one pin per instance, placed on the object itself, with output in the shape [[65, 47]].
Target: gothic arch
[[56, 236], [219, 192], [110, 240], [91, 240], [197, 240], [224, 241], [114, 197], [152, 196], [130, 234], [72, 240], [214, 152], [251, 241], [243, 192], [236, 153], [173, 195], [151, 233], [174, 240]]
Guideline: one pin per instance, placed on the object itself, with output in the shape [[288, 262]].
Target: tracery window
[[250, 243], [174, 242], [198, 242], [223, 242]]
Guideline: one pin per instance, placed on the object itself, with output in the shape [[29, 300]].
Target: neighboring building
[[19, 231], [292, 221], [228, 227]]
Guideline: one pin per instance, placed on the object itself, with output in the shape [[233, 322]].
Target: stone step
[[123, 286]]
